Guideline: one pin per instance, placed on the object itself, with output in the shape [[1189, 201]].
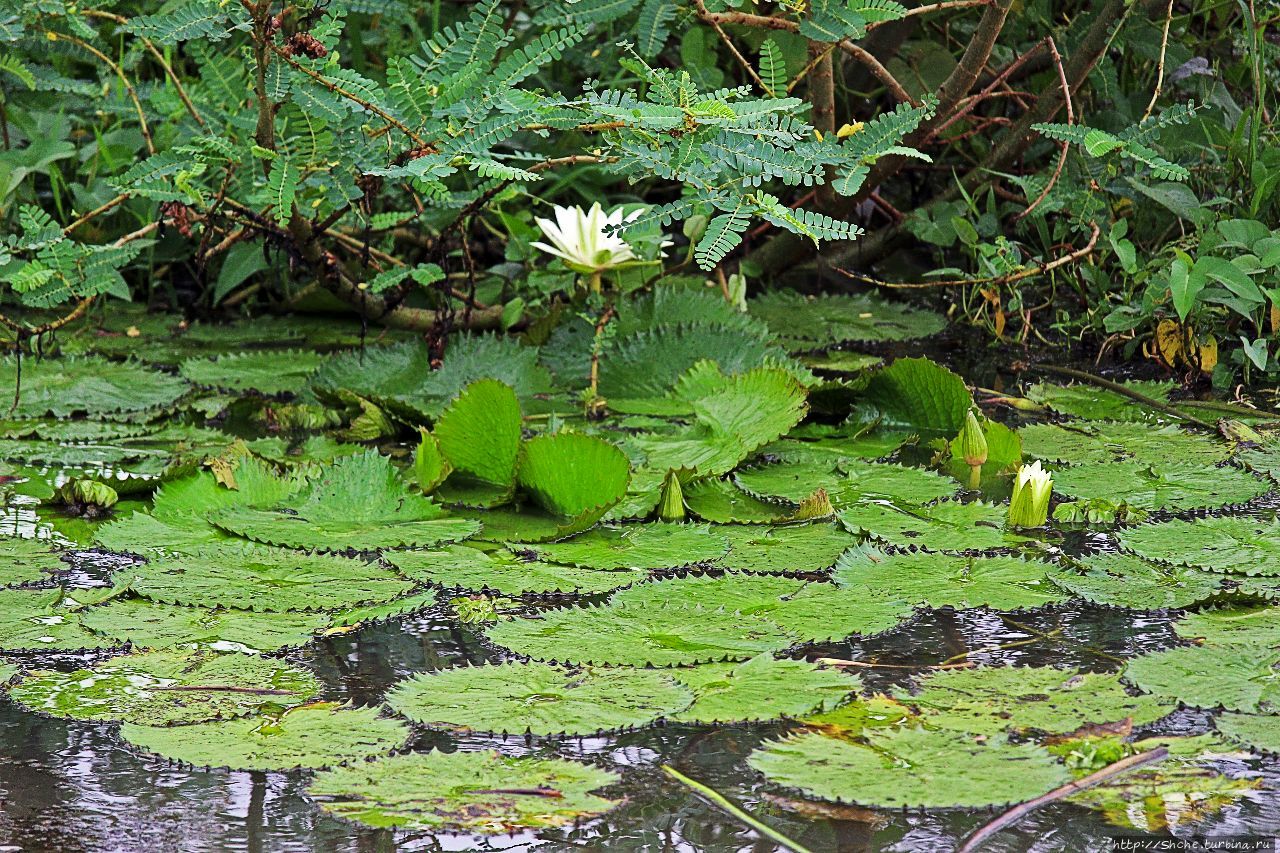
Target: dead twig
[[1021, 810]]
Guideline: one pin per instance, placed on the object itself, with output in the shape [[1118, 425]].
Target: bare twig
[[1071, 119], [1122, 390], [1164, 50], [1021, 810], [1039, 269]]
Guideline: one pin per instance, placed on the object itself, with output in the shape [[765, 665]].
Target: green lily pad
[[93, 386], [855, 482], [944, 526], [148, 625], [820, 321], [990, 700], [623, 635], [539, 699], [763, 688], [318, 735], [911, 768], [28, 561], [811, 612], [943, 580], [483, 793], [357, 502], [1260, 732], [265, 371], [1237, 544], [1173, 487], [33, 619], [785, 548], [1124, 580], [635, 546], [1235, 676], [1253, 625], [256, 577], [463, 567], [1099, 404], [166, 688], [723, 502], [1104, 441]]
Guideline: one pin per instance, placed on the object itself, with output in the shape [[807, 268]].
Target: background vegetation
[[1102, 172]]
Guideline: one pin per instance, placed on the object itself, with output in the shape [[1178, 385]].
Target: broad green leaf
[[622, 635], [911, 768], [479, 434], [319, 735], [539, 699], [763, 688], [356, 502], [482, 793], [920, 394], [166, 688]]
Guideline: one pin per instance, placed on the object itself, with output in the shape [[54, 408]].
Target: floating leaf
[[27, 561], [622, 635], [811, 612], [1238, 544], [723, 502], [539, 699], [319, 735], [166, 688], [1099, 404], [820, 321], [356, 502], [942, 580], [1235, 676], [1173, 487], [1106, 441], [763, 688], [1256, 732], [256, 577], [1123, 580], [990, 700], [636, 546], [944, 526], [147, 625], [463, 567], [265, 371], [785, 548], [93, 386], [911, 768], [1252, 625], [484, 793], [858, 481], [43, 619]]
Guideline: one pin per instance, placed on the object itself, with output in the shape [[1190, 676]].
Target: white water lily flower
[[1029, 506], [579, 238]]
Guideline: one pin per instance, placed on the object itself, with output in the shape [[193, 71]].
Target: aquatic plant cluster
[[735, 498]]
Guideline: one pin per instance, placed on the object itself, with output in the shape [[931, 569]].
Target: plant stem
[[720, 800]]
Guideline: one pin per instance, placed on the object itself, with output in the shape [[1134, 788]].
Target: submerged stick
[[720, 800], [1021, 810], [1122, 390]]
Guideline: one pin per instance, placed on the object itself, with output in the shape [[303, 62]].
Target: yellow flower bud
[[1032, 487]]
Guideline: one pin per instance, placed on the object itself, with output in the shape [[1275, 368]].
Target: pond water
[[72, 785]]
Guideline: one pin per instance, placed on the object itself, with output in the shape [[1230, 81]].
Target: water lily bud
[[1029, 506], [88, 497], [972, 441], [671, 504]]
